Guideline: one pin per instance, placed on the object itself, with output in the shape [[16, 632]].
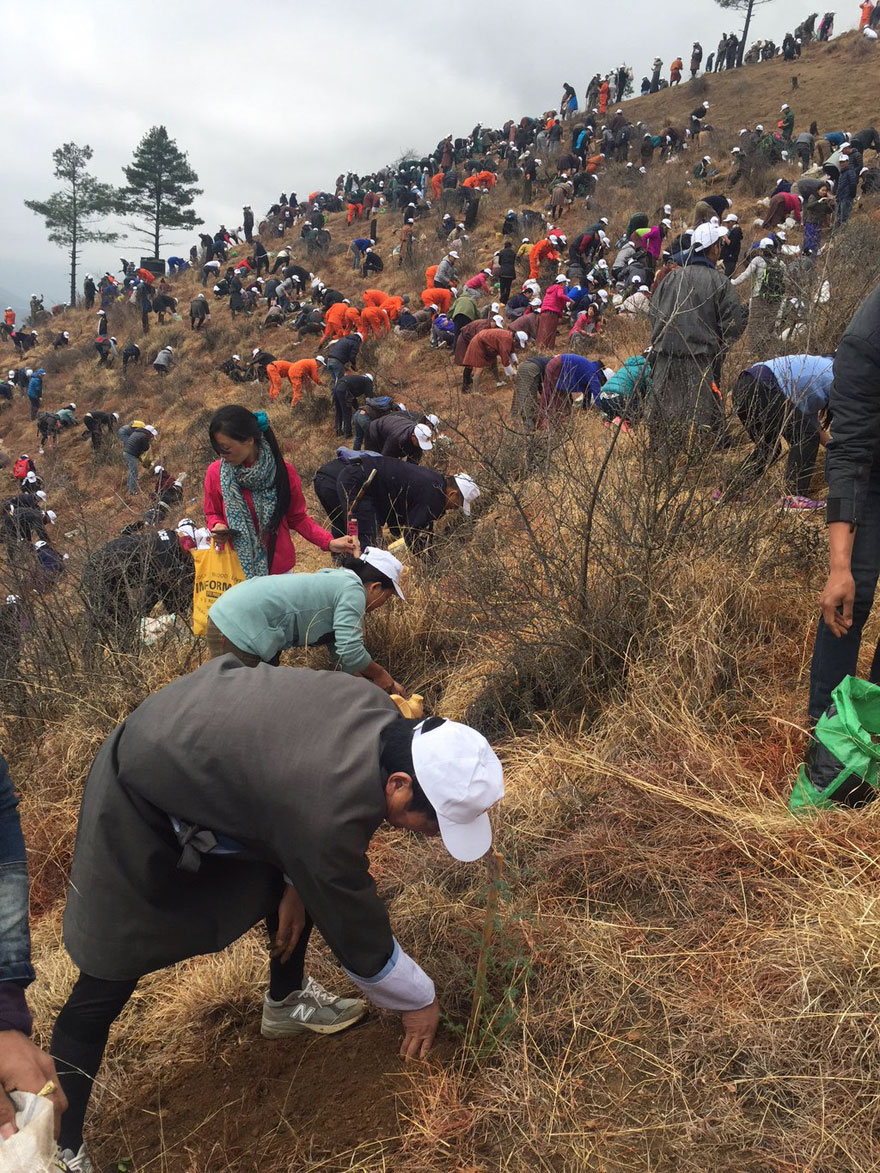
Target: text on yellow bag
[[217, 569]]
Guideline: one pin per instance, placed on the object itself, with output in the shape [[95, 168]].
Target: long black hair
[[239, 424]]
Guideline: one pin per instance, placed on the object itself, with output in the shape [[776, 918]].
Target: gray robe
[[285, 761]]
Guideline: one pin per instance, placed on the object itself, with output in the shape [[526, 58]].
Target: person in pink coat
[[555, 302], [254, 498]]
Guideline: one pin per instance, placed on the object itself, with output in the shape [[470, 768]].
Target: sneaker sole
[[302, 1028]]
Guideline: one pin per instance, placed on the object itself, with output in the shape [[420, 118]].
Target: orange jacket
[[471, 181], [375, 318], [352, 318], [543, 251], [595, 163], [374, 297], [9, 317], [430, 273], [603, 97], [441, 298], [437, 184], [392, 307], [487, 179], [335, 315], [306, 368]]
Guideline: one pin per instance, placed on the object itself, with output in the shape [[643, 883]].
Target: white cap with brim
[[390, 566], [469, 490], [707, 235], [462, 778], [422, 434]]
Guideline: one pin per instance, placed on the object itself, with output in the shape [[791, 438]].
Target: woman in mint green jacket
[[256, 619]]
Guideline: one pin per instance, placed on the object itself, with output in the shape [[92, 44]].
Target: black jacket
[[391, 435], [853, 458], [345, 350], [358, 386], [507, 262], [405, 497], [135, 441]]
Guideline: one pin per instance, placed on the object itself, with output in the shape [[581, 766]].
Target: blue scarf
[[260, 480]]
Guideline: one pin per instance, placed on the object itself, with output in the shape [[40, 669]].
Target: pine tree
[[159, 188], [70, 213], [748, 7]]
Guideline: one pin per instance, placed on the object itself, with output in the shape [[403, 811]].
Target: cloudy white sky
[[269, 96]]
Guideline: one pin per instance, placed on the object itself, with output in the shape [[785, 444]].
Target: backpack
[[772, 284]]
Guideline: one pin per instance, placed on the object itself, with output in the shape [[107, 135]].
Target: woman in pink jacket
[[254, 498], [552, 308]]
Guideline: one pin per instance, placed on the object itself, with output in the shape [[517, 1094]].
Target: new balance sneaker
[[310, 1009], [801, 504], [70, 1162]]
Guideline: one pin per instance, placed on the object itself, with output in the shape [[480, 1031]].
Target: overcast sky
[[301, 94]]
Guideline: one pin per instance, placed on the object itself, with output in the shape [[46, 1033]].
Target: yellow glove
[[412, 707]]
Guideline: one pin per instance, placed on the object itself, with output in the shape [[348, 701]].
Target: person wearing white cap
[[136, 438], [258, 619], [235, 796], [164, 360], [397, 434], [406, 497], [445, 277], [786, 122], [638, 302], [696, 316], [486, 349], [732, 244]]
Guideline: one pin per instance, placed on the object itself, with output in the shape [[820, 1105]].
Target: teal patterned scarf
[[250, 544]]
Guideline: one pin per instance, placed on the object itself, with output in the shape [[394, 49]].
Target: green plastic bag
[[844, 762]]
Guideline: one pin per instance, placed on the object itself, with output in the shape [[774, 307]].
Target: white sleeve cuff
[[400, 984]]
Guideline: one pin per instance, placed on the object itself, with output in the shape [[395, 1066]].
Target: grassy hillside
[[679, 975]]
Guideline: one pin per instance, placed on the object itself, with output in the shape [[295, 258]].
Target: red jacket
[[555, 299], [297, 517]]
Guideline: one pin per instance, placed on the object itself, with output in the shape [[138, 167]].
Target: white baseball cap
[[461, 777], [390, 566], [469, 490], [39, 493], [422, 434], [521, 337], [707, 235]]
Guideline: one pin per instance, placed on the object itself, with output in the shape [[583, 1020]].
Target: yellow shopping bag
[[217, 569]]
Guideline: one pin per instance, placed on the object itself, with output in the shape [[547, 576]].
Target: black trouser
[[341, 409], [82, 1028], [459, 322], [280, 262], [504, 289], [767, 417], [327, 491]]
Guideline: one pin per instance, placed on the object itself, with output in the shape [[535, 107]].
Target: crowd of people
[[252, 847]]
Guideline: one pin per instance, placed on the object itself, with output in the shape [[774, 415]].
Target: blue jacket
[[15, 942], [362, 243], [847, 185], [804, 379], [836, 137], [579, 374], [35, 387]]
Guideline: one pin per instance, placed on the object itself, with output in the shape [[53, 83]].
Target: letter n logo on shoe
[[301, 1012]]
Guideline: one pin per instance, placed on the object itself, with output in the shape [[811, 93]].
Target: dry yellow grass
[[681, 976]]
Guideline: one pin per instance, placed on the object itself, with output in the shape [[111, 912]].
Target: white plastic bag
[[32, 1149]]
